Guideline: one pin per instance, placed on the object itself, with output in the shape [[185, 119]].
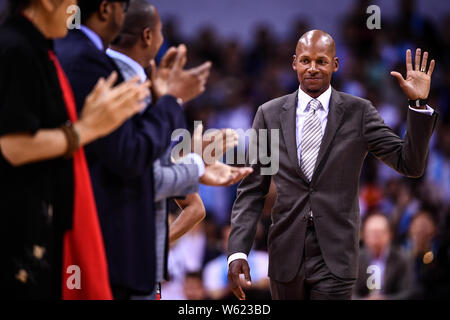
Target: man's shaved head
[[316, 38], [140, 15], [315, 61], [141, 35]]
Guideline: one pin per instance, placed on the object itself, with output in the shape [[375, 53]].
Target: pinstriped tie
[[311, 139]]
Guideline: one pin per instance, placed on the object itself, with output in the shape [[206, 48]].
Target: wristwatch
[[418, 102]]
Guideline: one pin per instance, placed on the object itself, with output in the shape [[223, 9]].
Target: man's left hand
[[418, 80]]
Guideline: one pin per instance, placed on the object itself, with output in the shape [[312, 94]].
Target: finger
[[198, 131], [98, 89], [417, 60], [153, 70], [180, 59], [399, 77], [424, 62], [111, 79], [243, 172], [246, 270], [201, 69], [408, 61], [235, 286], [430, 70], [168, 59]]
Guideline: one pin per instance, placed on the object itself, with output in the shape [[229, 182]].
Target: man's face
[[57, 18], [314, 63], [157, 38], [376, 234], [117, 18]]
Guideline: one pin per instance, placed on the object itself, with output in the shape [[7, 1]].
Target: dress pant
[[314, 280]]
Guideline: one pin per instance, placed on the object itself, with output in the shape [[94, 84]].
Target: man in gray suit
[[325, 136]]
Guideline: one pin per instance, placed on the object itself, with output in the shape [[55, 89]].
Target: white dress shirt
[[322, 112], [95, 38]]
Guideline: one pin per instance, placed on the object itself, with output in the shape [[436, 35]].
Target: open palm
[[418, 80]]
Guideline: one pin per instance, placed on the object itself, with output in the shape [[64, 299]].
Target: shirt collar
[[303, 99], [136, 67], [95, 38]]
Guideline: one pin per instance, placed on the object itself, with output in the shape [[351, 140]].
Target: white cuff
[[235, 256], [193, 158], [429, 111]]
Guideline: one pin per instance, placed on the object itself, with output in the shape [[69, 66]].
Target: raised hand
[[220, 174], [212, 145], [107, 107], [418, 80], [160, 75], [187, 84]]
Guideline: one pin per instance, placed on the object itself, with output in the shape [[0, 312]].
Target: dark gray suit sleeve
[[249, 201], [408, 156], [176, 180]]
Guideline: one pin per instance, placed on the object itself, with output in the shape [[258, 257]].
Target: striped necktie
[[311, 139]]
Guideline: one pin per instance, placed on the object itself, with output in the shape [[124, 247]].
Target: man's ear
[[147, 36], [104, 10], [294, 62], [336, 64]]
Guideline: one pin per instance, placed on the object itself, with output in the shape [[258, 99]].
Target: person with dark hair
[[49, 216], [121, 164]]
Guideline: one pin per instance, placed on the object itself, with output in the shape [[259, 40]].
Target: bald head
[[141, 14], [316, 39], [315, 62]]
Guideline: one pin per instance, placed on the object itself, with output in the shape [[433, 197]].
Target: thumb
[[398, 76], [154, 70], [246, 270]]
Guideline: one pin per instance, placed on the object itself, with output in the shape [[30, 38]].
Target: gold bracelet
[[73, 139]]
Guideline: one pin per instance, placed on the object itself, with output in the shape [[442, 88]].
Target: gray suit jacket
[[354, 128]]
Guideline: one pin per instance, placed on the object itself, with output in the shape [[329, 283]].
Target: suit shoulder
[[349, 98], [275, 104], [353, 103], [77, 52]]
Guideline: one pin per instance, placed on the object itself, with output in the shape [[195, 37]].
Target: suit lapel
[[335, 113], [288, 127]]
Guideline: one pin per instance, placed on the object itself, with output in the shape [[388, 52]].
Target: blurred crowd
[[405, 222]]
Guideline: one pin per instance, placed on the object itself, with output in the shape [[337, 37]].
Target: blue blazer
[[121, 167]]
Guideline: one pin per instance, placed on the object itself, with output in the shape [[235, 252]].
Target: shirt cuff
[[235, 256], [193, 158], [429, 111]]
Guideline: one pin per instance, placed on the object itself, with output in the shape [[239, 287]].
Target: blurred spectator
[[393, 265], [422, 248], [438, 172], [193, 286]]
